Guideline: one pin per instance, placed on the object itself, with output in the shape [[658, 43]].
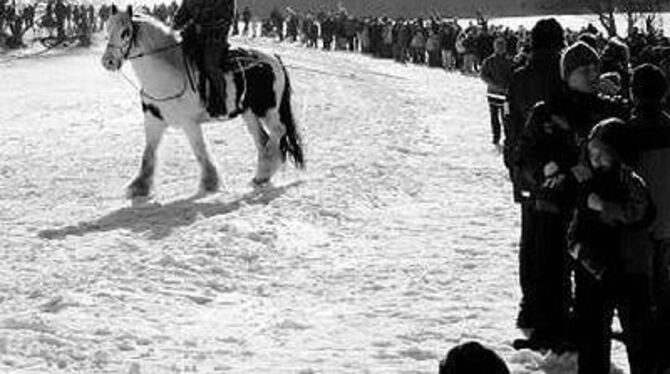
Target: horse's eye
[[125, 34]]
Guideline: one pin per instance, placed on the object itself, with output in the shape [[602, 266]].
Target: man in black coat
[[206, 24], [537, 81], [648, 152]]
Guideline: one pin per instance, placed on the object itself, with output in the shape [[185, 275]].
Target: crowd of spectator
[[54, 19], [436, 41], [587, 145]]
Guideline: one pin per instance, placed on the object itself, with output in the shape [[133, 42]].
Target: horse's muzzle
[[110, 63]]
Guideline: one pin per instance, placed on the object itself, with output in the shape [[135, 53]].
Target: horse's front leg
[[154, 128], [209, 180]]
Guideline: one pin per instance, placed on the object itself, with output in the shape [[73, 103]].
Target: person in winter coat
[[448, 37], [246, 19], [648, 152], [612, 201], [581, 101], [402, 41], [278, 22], [548, 151], [433, 47], [550, 169], [206, 24], [328, 32], [469, 45], [60, 12], [497, 73], [535, 82], [616, 60], [418, 45], [387, 40]]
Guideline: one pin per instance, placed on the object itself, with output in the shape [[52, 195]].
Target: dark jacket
[[594, 238], [584, 111], [497, 72], [544, 141], [649, 155], [206, 13], [537, 81], [534, 147]]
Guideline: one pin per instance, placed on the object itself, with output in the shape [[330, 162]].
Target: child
[[615, 199], [547, 152]]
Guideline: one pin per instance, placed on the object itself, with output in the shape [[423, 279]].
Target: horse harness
[[127, 47]]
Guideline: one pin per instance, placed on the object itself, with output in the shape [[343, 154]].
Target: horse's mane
[[155, 34]]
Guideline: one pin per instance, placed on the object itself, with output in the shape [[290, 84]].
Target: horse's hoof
[[142, 201], [210, 186], [260, 182], [138, 190]]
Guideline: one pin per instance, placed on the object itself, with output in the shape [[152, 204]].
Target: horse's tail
[[291, 143]]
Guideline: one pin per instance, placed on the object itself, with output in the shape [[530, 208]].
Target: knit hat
[[612, 132], [589, 38], [616, 50], [649, 83], [547, 34], [576, 56]]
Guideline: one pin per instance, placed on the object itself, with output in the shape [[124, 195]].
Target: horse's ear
[[129, 10], [114, 9]]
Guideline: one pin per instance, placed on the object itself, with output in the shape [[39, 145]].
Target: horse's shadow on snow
[[161, 220]]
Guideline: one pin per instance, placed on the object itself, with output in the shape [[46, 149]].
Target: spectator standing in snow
[[552, 169], [611, 202], [61, 13], [648, 151], [537, 81], [497, 73], [246, 19]]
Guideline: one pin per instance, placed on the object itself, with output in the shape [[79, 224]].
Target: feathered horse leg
[[209, 180], [154, 128], [261, 138]]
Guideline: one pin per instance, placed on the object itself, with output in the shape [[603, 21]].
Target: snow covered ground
[[397, 243]]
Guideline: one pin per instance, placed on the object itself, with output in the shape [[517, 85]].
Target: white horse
[[257, 87]]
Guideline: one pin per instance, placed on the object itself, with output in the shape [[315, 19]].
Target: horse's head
[[121, 35]]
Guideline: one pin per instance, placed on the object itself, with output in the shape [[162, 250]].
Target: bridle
[[128, 45], [125, 49]]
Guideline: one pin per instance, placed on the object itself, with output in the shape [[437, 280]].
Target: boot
[[216, 102]]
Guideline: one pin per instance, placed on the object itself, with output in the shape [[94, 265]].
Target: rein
[[143, 93], [127, 47], [154, 52], [126, 56]]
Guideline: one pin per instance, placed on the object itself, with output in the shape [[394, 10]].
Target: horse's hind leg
[[154, 129], [264, 169], [275, 130], [209, 180]]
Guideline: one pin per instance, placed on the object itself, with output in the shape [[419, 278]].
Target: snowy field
[[397, 243]]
